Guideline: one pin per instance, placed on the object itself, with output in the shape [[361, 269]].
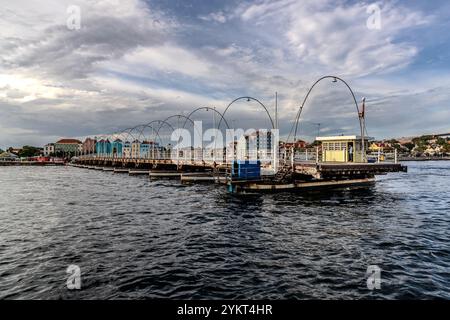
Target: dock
[[338, 169], [261, 185], [202, 177], [132, 172], [243, 176], [165, 174]]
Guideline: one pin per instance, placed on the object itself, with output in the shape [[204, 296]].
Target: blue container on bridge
[[246, 170]]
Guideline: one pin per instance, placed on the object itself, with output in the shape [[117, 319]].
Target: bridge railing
[[382, 156], [194, 155], [316, 155]]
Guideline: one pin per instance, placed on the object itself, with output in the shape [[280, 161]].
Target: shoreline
[[41, 164], [29, 163], [424, 159]]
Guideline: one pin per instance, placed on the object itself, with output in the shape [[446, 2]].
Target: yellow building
[[375, 147], [343, 148]]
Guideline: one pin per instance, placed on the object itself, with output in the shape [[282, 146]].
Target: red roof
[[69, 141]]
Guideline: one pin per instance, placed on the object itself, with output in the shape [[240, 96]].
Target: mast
[[276, 110]]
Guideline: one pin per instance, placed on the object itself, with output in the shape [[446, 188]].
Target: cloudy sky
[[134, 61]]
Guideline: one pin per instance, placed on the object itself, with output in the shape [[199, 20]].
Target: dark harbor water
[[134, 238]]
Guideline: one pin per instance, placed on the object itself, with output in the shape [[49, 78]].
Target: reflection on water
[[136, 238]]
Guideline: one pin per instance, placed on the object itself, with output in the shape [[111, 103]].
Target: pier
[[297, 175], [255, 161]]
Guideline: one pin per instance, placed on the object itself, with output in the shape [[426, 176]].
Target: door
[[350, 152]]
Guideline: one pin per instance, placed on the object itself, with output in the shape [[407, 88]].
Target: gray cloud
[[130, 64]]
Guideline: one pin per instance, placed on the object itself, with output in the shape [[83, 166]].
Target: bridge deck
[[319, 170]]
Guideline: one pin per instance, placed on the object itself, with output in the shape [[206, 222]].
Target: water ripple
[[134, 238]]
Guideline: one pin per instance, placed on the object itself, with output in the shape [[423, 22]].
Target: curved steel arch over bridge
[[149, 125], [159, 160], [248, 99], [138, 132], [207, 109], [177, 116], [299, 112]]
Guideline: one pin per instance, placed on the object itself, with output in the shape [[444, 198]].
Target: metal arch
[[102, 136], [155, 121], [297, 118], [207, 108], [248, 98], [129, 133], [124, 134], [115, 135], [149, 125], [121, 132], [142, 135], [161, 122], [179, 116]]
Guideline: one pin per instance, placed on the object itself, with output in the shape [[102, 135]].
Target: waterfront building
[[88, 146], [242, 148], [99, 145], [299, 144], [257, 145], [343, 148], [126, 153], [231, 151], [103, 147], [135, 149], [67, 146], [377, 146], [144, 149], [117, 148], [8, 156], [155, 150], [49, 149]]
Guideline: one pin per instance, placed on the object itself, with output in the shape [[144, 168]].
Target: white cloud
[[333, 36], [215, 16], [166, 58]]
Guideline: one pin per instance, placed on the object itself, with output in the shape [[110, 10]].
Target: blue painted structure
[[144, 149], [246, 170], [103, 147], [117, 148]]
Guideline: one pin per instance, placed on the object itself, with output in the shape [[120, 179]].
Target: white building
[[257, 146], [49, 149], [126, 150], [135, 149]]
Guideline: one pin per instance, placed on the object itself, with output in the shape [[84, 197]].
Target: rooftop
[[342, 138], [8, 155], [69, 141]]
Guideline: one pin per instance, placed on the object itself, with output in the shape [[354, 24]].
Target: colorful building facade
[[67, 146], [103, 147], [88, 146]]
